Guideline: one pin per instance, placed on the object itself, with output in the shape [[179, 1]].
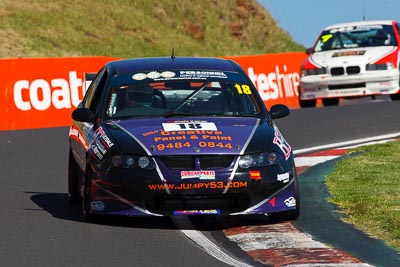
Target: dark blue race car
[[179, 136]]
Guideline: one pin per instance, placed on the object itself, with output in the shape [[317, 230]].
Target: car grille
[[337, 71], [353, 70], [346, 86], [191, 162], [341, 70]]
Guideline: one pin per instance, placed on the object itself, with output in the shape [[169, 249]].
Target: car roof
[[360, 23], [133, 65]]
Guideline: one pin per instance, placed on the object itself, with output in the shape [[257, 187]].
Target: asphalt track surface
[[39, 228]]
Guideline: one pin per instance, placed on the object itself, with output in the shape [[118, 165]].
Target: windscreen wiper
[[191, 96]]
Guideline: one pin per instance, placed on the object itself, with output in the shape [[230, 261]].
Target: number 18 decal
[[243, 89], [189, 126]]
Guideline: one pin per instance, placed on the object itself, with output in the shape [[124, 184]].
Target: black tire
[[308, 103], [290, 215], [74, 176], [395, 97], [330, 102], [87, 216]]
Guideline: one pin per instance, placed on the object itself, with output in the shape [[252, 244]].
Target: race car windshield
[[182, 98], [356, 37]]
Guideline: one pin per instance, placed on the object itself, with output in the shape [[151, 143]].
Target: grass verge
[[366, 188], [139, 28]]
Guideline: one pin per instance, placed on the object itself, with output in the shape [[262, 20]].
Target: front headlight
[[130, 161], [259, 160], [317, 71], [384, 66]]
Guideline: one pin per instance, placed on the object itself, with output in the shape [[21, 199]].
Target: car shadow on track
[[58, 206]]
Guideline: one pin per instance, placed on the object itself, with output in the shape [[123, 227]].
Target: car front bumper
[[363, 84], [118, 194]]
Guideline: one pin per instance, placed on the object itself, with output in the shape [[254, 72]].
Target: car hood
[[359, 56], [188, 136]]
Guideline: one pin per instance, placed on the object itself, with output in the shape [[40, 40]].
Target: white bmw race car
[[352, 60]]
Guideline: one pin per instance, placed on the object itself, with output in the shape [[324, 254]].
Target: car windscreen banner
[[43, 92]]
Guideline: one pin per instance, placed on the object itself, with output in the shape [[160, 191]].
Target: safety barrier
[[42, 92]]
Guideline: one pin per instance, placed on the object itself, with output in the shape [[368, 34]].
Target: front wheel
[[74, 176], [330, 102], [290, 215], [87, 191], [395, 97], [308, 103]]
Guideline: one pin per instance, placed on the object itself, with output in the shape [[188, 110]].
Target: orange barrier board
[[42, 92], [276, 76]]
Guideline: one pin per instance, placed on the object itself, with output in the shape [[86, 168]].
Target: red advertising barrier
[[276, 76], [42, 92]]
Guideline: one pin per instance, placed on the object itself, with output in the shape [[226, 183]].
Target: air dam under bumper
[[242, 197]]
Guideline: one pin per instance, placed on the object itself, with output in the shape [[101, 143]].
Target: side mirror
[[279, 111], [83, 115], [309, 51]]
